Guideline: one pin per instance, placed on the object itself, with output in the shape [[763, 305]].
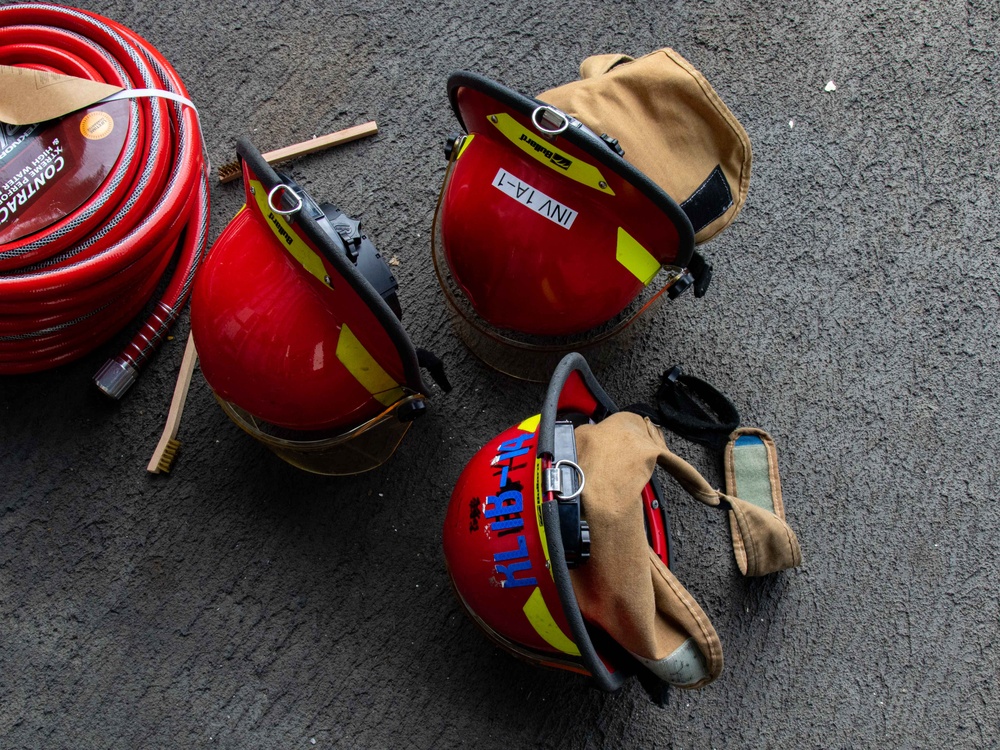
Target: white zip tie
[[163, 94]]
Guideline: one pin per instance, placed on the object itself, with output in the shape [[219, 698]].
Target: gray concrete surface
[[241, 603]]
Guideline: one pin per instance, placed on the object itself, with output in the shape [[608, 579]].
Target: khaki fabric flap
[[624, 587], [762, 542], [30, 96], [597, 65], [672, 125]]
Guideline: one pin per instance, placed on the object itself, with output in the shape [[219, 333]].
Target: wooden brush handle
[[176, 404], [324, 141], [231, 171]]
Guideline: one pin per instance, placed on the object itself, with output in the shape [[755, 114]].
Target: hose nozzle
[[115, 377]]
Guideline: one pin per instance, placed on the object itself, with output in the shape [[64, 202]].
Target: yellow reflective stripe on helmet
[[540, 149], [286, 236], [539, 521], [635, 257], [530, 424], [365, 369], [542, 621], [465, 144]]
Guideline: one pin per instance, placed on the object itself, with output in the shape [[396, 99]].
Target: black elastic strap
[[691, 408], [433, 364]]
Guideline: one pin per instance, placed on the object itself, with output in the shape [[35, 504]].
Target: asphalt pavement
[[241, 603]]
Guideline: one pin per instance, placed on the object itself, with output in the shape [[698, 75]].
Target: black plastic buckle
[[701, 269], [410, 410], [613, 144], [348, 239], [449, 144], [698, 274], [680, 286]]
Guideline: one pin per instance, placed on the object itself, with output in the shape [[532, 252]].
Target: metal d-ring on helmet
[[296, 320], [558, 213]]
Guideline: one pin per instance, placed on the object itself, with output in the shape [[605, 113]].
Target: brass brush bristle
[[231, 170], [169, 453]]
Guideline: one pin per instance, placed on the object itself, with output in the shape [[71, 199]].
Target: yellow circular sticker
[[96, 125]]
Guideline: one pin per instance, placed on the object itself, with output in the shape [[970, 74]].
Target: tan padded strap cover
[[673, 126], [624, 587], [762, 540]]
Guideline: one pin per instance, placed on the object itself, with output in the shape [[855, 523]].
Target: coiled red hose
[[72, 285]]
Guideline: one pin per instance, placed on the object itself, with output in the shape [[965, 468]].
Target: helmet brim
[[574, 388], [341, 268]]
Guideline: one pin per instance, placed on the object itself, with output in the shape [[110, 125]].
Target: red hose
[[72, 285]]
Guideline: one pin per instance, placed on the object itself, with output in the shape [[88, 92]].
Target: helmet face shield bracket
[[563, 481]]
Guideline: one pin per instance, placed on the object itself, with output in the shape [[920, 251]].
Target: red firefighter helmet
[[563, 218], [545, 228], [296, 321], [514, 529]]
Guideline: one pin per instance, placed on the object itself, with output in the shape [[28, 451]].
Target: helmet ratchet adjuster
[[697, 274], [565, 480], [346, 235]]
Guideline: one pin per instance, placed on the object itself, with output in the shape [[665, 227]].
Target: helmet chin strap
[[435, 367], [692, 408]]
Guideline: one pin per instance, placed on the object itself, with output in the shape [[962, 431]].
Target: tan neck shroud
[[624, 587], [668, 119]]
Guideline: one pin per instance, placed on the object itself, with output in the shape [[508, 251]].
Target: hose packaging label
[[48, 170]]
